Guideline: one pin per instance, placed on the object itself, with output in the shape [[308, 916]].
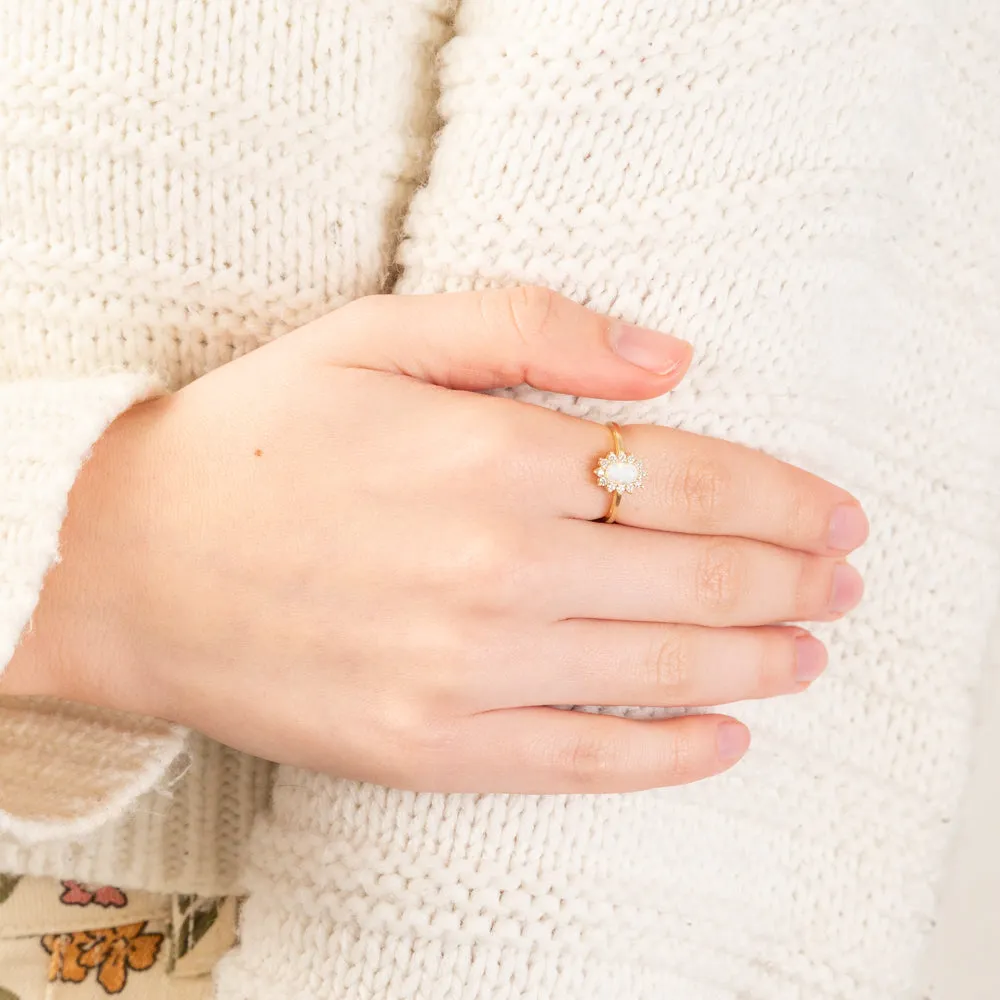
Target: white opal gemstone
[[621, 473]]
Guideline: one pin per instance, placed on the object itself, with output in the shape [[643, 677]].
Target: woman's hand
[[328, 554]]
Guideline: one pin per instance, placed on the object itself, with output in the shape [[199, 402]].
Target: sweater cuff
[[64, 769], [188, 834]]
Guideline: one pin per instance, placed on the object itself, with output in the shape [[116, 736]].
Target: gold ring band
[[619, 472]]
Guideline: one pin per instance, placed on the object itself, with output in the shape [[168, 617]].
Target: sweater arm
[[65, 769]]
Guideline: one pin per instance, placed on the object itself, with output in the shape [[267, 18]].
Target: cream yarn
[[804, 190], [807, 191], [179, 182]]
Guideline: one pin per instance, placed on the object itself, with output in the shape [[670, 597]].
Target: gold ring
[[619, 472]]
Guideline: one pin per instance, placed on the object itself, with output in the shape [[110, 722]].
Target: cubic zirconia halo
[[620, 472]]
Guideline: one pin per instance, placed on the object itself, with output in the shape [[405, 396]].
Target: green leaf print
[[197, 922], [8, 883]]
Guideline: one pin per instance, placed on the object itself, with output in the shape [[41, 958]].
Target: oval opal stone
[[621, 473]]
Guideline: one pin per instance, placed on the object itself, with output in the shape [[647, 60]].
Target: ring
[[619, 472]]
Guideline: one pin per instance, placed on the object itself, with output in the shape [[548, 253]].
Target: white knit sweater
[[806, 190]]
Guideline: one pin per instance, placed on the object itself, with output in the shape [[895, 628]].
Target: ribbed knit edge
[[188, 834]]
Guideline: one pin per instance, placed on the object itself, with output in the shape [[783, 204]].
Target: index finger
[[704, 486]]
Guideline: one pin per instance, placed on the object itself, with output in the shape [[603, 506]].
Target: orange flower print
[[112, 952], [65, 950]]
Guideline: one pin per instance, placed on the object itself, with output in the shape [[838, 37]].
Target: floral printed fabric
[[73, 941]]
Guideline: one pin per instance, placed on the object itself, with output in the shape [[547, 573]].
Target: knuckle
[[501, 441], [434, 738], [486, 448], [422, 759], [671, 666], [529, 309], [802, 518], [813, 582], [590, 762], [445, 668], [480, 556], [719, 578], [523, 580], [415, 727], [492, 567], [362, 312], [774, 661], [681, 760], [702, 488]]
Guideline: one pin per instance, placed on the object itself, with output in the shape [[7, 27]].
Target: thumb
[[504, 337]]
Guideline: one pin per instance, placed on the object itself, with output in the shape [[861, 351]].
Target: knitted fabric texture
[[804, 190], [808, 192], [187, 832], [178, 184]]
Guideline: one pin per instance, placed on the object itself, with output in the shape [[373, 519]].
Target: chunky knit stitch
[[804, 190], [807, 191], [178, 184]]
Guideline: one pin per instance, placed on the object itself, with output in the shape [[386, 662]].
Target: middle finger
[[613, 571]]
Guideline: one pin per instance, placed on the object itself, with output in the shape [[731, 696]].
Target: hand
[[328, 553]]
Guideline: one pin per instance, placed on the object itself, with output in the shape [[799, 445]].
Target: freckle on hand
[[258, 452]]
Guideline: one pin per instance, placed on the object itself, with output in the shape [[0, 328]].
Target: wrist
[[75, 645]]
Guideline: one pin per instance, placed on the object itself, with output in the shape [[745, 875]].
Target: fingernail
[[734, 738], [810, 658], [848, 527], [656, 352], [847, 589]]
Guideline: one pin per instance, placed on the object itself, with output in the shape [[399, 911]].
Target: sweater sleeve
[[64, 769]]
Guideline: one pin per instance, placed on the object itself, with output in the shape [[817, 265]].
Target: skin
[[332, 553]]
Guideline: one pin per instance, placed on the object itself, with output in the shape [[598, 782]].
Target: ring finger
[[697, 485]]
